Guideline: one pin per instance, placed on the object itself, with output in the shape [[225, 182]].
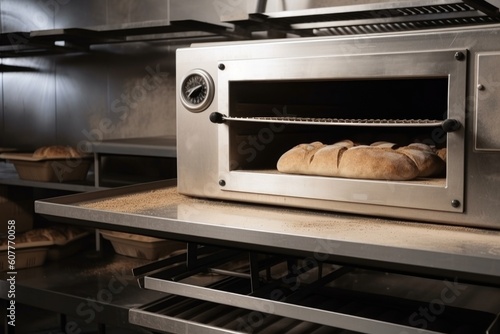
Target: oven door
[[270, 105]]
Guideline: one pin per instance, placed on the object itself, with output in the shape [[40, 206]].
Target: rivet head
[[222, 67], [222, 183], [459, 56], [455, 203], [480, 87]]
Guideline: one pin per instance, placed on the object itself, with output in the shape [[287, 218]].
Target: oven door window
[[270, 106]]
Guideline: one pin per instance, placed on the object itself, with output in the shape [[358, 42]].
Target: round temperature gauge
[[197, 90]]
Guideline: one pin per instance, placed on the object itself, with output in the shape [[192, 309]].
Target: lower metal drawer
[[237, 292]]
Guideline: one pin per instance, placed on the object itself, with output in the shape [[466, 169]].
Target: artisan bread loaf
[[56, 151], [379, 161], [428, 163], [326, 161], [54, 234], [297, 159], [442, 153], [376, 163]]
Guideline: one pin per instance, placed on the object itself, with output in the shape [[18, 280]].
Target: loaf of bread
[[55, 234], [428, 162], [294, 160], [379, 161], [56, 152], [442, 153]]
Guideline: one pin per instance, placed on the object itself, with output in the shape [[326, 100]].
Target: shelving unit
[[53, 41], [370, 18], [160, 147]]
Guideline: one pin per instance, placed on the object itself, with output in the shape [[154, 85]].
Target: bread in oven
[[296, 160], [379, 161], [428, 162]]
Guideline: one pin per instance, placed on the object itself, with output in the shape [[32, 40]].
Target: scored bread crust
[[326, 160], [377, 163], [428, 162], [297, 159], [56, 151], [382, 161]]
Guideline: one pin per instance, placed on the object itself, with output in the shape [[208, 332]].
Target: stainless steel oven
[[242, 105]]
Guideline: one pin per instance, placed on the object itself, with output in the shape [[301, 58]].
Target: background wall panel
[[118, 90]]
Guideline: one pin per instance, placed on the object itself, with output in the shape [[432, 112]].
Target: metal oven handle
[[448, 125]]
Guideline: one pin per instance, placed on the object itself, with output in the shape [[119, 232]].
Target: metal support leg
[[192, 255], [97, 170], [62, 322], [254, 271]]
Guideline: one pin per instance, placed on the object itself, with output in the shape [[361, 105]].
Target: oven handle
[[448, 125]]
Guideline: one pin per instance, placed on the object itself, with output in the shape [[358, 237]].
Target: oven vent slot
[[449, 125], [402, 26], [374, 18]]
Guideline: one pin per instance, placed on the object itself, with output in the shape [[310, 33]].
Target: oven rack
[[291, 295], [449, 125], [372, 18]]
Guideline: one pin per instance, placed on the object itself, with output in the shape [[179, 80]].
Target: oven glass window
[[329, 111]]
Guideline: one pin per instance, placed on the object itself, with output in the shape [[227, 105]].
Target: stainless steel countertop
[[157, 209]]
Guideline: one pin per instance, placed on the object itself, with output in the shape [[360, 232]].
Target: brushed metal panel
[[27, 15], [487, 127], [82, 98], [141, 92], [79, 13], [79, 97], [29, 103], [127, 11], [207, 11]]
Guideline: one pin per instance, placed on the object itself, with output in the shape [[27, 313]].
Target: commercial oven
[[241, 106]]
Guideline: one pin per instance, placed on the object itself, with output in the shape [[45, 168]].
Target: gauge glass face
[[197, 91]]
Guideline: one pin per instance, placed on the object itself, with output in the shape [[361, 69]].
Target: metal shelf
[[292, 293], [53, 41], [371, 18], [9, 176], [162, 146], [422, 248]]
